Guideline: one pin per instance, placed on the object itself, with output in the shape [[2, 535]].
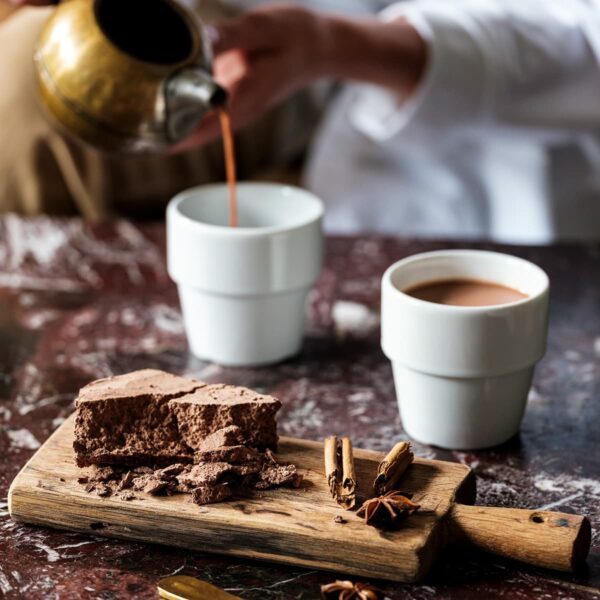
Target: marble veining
[[79, 302]]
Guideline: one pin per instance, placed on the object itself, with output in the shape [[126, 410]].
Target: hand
[[33, 2], [265, 55], [261, 58]]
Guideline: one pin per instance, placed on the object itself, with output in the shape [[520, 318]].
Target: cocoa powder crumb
[[103, 490], [127, 481]]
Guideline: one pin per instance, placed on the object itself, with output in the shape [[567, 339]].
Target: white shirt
[[501, 140]]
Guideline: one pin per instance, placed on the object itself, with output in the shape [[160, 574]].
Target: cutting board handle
[[553, 540]]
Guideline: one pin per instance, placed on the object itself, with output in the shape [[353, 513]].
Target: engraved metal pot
[[126, 75]]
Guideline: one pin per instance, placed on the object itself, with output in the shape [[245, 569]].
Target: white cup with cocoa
[[464, 330], [243, 289]]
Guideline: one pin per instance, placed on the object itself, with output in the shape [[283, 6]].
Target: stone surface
[[78, 303]]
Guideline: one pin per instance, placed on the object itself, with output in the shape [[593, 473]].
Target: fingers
[[248, 99], [33, 2], [239, 33], [263, 28], [253, 88]]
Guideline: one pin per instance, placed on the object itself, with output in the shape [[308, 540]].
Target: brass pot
[[126, 75]]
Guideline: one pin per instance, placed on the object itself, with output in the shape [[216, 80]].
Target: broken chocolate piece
[[208, 494], [126, 482], [227, 436], [104, 473], [127, 420], [143, 471], [230, 454], [102, 490], [215, 407], [169, 473], [150, 484], [261, 473], [203, 474], [278, 475]]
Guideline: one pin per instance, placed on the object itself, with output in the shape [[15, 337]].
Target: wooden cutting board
[[297, 526]]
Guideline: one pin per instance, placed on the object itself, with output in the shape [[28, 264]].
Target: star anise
[[388, 510], [346, 590]]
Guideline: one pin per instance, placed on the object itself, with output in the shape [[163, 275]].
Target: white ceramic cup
[[243, 289], [462, 374]]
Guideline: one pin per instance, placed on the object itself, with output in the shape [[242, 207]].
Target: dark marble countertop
[[78, 303]]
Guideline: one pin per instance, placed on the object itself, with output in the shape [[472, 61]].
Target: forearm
[[509, 63], [389, 54]]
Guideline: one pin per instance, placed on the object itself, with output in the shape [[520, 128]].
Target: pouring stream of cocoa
[[229, 148]]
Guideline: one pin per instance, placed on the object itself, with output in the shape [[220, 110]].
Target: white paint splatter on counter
[[57, 422], [38, 254], [307, 416], [206, 373], [534, 397], [353, 318], [51, 555], [498, 487], [167, 319], [572, 355], [38, 319], [467, 458], [359, 402], [561, 502], [5, 585], [565, 483], [48, 401], [23, 438], [64, 546]]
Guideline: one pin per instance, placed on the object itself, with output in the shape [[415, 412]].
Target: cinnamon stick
[[331, 466], [339, 470], [392, 467]]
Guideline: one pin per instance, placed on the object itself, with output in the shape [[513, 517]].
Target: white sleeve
[[502, 63]]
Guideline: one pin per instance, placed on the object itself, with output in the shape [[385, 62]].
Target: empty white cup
[[243, 289], [462, 374]]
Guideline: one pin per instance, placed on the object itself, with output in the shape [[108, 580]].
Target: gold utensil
[[182, 587], [126, 76]]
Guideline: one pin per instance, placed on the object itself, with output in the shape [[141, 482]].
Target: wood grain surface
[[284, 525], [553, 540]]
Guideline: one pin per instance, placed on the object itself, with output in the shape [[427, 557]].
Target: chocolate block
[[215, 407], [127, 420], [154, 418]]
